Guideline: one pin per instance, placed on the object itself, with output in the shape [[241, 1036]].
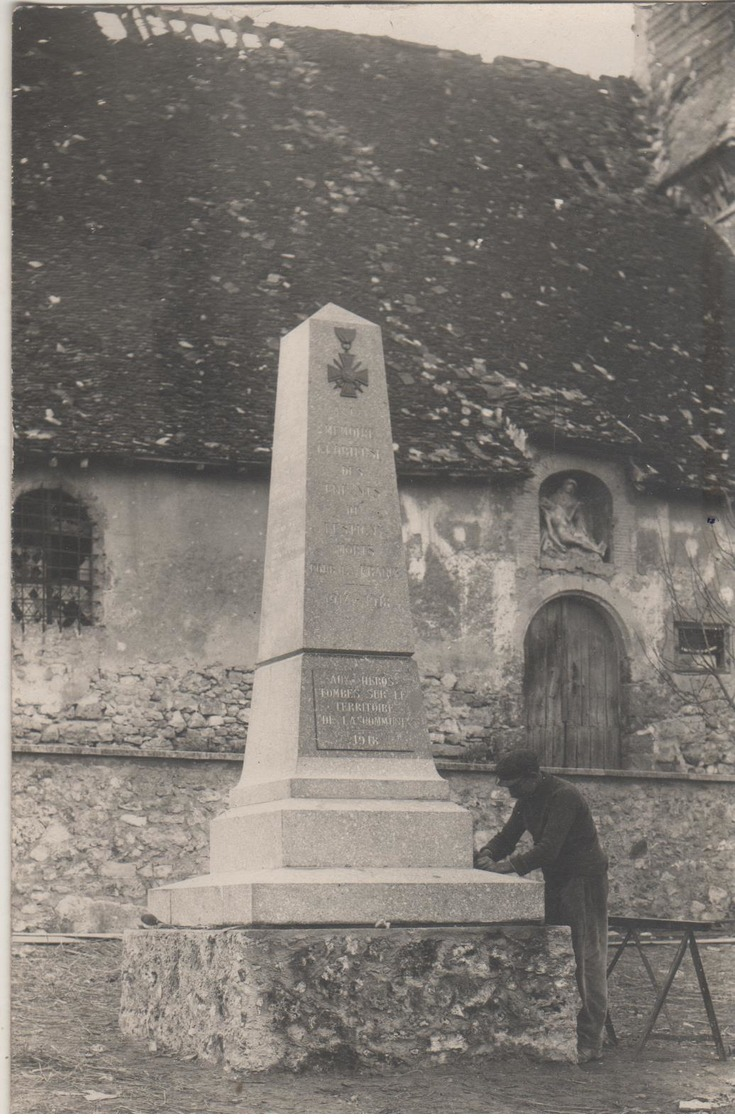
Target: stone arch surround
[[616, 610]]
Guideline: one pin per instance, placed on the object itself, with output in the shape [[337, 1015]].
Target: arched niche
[[575, 522]]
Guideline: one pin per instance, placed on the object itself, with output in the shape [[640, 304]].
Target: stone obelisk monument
[[340, 816], [341, 917]]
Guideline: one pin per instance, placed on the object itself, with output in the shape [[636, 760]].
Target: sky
[[591, 38]]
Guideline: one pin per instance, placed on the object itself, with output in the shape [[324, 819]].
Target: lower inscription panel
[[367, 704]]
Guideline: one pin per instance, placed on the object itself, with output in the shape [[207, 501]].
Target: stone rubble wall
[[91, 834], [685, 741], [357, 997], [468, 719], [147, 706], [154, 706], [671, 843]]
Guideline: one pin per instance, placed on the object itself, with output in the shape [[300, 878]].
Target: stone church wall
[[168, 665], [129, 733], [92, 833], [148, 706]]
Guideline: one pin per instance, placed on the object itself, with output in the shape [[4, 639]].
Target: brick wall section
[[91, 834], [686, 72]]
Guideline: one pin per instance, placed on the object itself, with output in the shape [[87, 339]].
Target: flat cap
[[516, 765]]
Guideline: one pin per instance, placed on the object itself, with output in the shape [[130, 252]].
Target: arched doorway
[[572, 685]]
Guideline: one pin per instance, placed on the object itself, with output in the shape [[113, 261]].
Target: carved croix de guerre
[[347, 373]]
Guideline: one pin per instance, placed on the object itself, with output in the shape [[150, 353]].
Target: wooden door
[[572, 686]]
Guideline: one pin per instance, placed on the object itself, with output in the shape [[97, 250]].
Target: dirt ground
[[69, 1056]]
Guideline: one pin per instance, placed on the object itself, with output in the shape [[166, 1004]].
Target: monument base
[[305, 896], [314, 833], [259, 998]]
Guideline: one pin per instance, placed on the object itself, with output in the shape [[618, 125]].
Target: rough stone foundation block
[[258, 998]]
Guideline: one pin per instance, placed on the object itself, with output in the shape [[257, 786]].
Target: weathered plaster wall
[[169, 664], [181, 568], [91, 834], [477, 583], [181, 557], [363, 996]]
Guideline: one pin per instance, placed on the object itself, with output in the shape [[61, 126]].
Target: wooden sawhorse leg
[[680, 952], [687, 940], [631, 933], [611, 967], [650, 973], [706, 997]]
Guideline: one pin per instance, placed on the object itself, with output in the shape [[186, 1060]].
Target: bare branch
[[700, 596]]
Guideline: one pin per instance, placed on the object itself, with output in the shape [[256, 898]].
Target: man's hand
[[483, 861], [501, 867]]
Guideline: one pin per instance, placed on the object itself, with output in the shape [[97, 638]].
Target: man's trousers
[[581, 903]]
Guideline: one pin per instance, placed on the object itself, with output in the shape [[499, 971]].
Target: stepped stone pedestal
[[340, 817]]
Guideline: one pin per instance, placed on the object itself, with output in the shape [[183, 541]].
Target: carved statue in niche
[[564, 526]]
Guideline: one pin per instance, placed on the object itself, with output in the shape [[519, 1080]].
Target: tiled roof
[[180, 205]]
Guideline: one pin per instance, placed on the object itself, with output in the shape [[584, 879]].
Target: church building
[[549, 257]]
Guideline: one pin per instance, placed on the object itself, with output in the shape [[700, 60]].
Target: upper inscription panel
[[356, 584], [339, 580]]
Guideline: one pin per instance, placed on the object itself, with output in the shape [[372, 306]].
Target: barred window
[[52, 560], [701, 647]]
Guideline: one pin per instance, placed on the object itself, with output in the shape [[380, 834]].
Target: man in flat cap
[[567, 850]]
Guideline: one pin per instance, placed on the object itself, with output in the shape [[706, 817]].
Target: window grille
[[701, 647], [52, 560]]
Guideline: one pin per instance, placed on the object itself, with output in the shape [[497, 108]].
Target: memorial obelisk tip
[[331, 312]]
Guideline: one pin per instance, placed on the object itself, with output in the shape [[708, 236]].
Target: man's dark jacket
[[563, 831]]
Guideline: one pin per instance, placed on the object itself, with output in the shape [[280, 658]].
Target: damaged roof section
[[689, 74], [180, 205]]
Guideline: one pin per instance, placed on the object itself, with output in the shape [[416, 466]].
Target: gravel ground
[[69, 1056]]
